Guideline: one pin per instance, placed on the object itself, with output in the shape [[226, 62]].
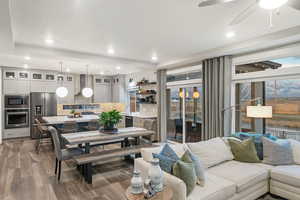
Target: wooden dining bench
[[86, 160]]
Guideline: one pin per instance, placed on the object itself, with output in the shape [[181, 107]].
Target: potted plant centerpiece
[[109, 120]]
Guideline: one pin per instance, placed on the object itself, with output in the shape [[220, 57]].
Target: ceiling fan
[[271, 5]]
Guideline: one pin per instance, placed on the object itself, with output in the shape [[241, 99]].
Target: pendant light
[[61, 91], [87, 91]]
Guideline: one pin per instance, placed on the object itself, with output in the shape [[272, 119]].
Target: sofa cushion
[[215, 188], [244, 151], [277, 152], [211, 152], [244, 175], [257, 139], [147, 153], [167, 158], [199, 167], [289, 174], [296, 150], [185, 170]]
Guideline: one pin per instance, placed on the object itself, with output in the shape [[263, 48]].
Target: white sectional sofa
[[230, 179]]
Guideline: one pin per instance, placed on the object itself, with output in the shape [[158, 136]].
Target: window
[[184, 114], [280, 89]]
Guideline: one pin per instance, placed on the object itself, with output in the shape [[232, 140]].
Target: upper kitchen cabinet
[[102, 89], [118, 89], [37, 76], [16, 82], [10, 74]]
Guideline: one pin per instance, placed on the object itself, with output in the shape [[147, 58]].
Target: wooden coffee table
[[166, 194]]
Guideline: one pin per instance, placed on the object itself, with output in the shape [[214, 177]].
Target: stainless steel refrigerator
[[41, 104]]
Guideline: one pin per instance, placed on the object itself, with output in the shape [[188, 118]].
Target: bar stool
[[43, 135]]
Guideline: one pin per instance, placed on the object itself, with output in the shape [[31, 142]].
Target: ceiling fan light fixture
[[271, 4]]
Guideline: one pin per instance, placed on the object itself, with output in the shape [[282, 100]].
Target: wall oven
[[16, 118], [16, 101]]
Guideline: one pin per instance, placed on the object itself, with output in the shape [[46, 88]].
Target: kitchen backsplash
[[65, 109]]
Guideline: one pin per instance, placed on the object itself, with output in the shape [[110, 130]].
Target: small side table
[[166, 194]]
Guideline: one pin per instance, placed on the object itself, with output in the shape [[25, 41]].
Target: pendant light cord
[[61, 73]]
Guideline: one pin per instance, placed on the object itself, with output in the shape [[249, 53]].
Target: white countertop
[[142, 115], [63, 119]]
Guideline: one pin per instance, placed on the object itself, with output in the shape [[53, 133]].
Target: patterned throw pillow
[[244, 151], [277, 152], [188, 156], [184, 169], [167, 158], [257, 139]]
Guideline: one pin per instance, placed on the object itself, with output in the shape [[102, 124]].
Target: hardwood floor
[[25, 175]]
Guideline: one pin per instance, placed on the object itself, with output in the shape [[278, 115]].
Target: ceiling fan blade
[[205, 3], [294, 4], [244, 14]]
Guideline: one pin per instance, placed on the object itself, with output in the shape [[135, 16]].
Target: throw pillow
[[211, 152], [257, 139], [188, 156], [186, 172], [277, 152], [244, 151], [296, 150], [167, 158]]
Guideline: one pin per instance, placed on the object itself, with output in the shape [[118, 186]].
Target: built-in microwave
[[16, 101]]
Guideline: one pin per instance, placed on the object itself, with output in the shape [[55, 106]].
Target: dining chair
[[62, 154], [43, 135]]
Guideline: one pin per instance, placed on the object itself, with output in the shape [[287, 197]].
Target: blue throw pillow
[[167, 158], [257, 139]]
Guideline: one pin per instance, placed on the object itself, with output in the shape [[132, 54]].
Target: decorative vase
[[156, 175], [137, 185]]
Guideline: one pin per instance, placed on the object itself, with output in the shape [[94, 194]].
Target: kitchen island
[[53, 120]]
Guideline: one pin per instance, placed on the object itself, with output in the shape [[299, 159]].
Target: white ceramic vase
[[137, 184], [156, 175]]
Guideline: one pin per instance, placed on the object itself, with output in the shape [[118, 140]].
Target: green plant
[[110, 119], [72, 111]]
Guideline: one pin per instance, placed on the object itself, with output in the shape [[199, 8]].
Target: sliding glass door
[[184, 114]]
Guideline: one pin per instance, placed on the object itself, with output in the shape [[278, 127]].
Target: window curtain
[[162, 105], [217, 73]]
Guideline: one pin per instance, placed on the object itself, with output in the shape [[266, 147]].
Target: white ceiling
[[136, 29]]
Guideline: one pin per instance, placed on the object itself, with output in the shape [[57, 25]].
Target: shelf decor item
[[137, 185], [156, 175], [109, 120]]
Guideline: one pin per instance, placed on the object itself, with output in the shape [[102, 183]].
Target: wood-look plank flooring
[[26, 175]]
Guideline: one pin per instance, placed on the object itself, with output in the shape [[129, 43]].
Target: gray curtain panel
[[162, 104], [217, 73]]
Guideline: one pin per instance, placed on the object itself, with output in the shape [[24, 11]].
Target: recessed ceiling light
[[111, 51], [27, 58], [68, 70], [101, 73], [154, 58], [118, 67], [25, 66], [230, 34], [49, 41]]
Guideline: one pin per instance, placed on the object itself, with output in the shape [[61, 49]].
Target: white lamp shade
[[259, 111], [61, 92], [271, 4], [87, 92]]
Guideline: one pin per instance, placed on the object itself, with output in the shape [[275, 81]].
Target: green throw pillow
[[184, 169], [244, 151]]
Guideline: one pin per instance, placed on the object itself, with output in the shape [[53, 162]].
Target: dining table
[[122, 135], [87, 137]]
